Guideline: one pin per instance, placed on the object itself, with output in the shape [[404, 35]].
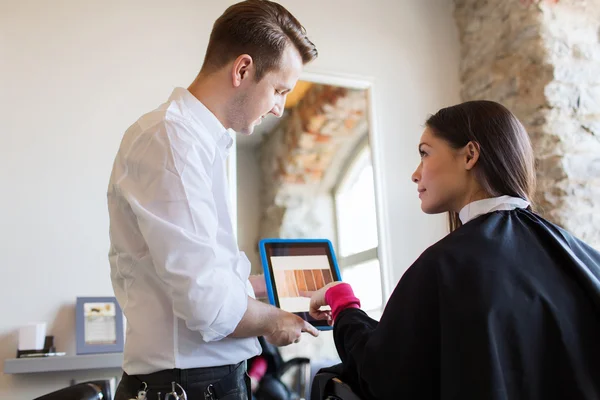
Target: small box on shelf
[[48, 351]]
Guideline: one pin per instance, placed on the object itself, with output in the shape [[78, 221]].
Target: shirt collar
[[480, 207], [223, 137]]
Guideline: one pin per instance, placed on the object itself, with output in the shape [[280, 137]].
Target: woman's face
[[443, 177]]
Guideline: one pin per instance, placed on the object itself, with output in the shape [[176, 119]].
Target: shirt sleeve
[[169, 188]]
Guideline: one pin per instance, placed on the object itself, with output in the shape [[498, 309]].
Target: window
[[356, 225]]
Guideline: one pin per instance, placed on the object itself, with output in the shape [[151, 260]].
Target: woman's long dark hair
[[506, 164]]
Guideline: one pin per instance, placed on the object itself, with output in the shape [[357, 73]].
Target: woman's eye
[[422, 153]]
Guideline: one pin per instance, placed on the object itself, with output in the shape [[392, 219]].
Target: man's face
[[255, 100]]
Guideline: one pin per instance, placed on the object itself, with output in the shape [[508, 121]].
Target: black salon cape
[[505, 307]]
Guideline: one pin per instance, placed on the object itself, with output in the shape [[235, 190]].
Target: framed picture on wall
[[98, 325]]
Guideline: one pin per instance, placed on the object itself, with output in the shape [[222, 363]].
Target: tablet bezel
[[270, 276]]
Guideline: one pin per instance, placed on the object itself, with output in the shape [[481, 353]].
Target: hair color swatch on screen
[[291, 283]]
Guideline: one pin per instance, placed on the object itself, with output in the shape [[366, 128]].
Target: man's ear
[[472, 151], [242, 68]]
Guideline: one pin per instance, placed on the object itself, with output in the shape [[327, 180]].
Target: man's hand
[[277, 326], [288, 329]]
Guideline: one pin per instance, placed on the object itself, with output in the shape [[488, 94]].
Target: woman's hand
[[317, 300]]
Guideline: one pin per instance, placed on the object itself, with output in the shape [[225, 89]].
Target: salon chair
[[272, 386], [94, 390], [328, 386]]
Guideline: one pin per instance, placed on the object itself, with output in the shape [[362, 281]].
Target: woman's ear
[[472, 151]]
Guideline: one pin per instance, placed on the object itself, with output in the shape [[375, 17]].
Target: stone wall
[[543, 62], [301, 159]]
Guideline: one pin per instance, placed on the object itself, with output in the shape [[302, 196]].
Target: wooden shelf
[[63, 363]]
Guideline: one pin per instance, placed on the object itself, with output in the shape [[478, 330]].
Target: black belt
[[219, 389], [216, 388]]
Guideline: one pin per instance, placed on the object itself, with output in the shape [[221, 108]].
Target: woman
[[504, 307]]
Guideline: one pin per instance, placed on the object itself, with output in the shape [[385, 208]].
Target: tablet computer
[[294, 267]]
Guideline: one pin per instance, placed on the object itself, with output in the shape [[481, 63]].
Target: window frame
[[352, 169]]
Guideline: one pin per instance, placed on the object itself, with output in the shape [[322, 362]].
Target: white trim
[[337, 79], [380, 199], [358, 258], [368, 83], [335, 215]]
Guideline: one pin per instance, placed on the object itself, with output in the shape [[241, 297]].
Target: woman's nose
[[416, 176]]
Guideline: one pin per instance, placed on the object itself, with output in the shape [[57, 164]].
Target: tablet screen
[[296, 269]]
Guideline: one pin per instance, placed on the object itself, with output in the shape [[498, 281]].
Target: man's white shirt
[[176, 268]]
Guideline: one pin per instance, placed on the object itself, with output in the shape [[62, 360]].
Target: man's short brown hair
[[259, 28]]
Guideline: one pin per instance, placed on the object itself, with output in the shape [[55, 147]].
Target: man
[[176, 268]]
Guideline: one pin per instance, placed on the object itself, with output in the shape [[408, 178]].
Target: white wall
[[75, 73]]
